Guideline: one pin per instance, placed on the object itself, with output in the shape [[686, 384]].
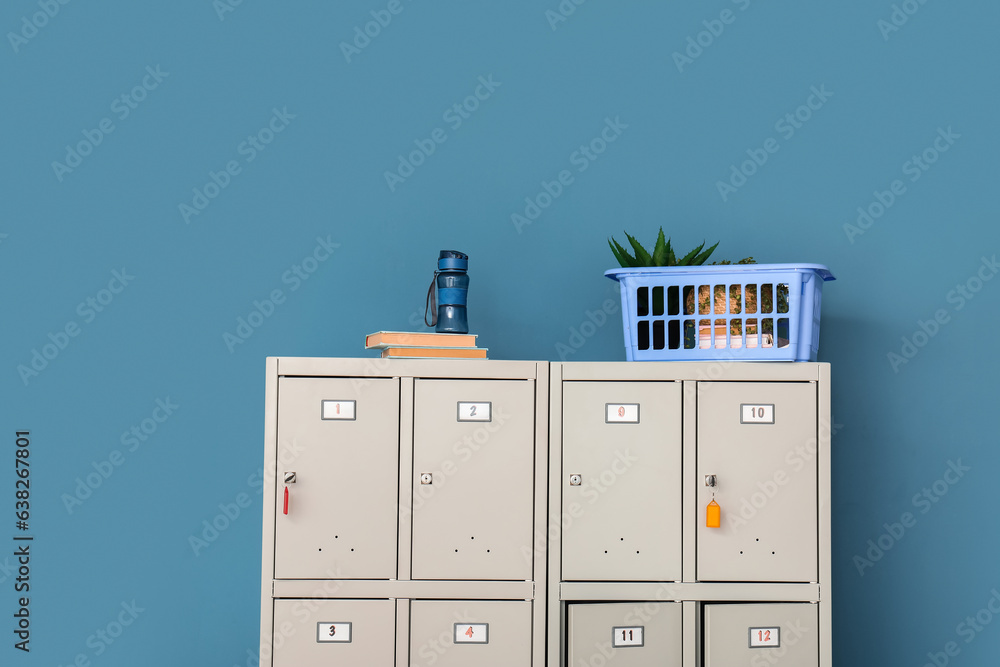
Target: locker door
[[621, 481], [625, 634], [341, 439], [759, 441], [761, 634], [461, 633], [473, 479], [334, 632]]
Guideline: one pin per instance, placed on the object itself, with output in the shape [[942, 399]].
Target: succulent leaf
[[660, 250], [688, 259], [624, 259], [700, 259], [641, 255]]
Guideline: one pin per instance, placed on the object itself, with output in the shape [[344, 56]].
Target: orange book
[[384, 339], [417, 352]]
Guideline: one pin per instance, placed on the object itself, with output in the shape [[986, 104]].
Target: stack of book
[[424, 345]]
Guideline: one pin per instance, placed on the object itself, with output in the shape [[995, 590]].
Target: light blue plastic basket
[[750, 312]]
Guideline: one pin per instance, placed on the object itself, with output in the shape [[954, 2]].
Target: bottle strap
[[431, 303]]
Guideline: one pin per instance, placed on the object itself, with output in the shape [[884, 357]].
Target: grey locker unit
[[764, 634], [762, 431], [342, 508], [473, 518], [342, 632], [458, 633], [621, 454], [624, 634], [416, 500], [765, 478]]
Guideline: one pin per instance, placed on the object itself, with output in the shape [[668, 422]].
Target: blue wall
[[209, 79]]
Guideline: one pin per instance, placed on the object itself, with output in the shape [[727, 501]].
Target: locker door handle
[[289, 479]]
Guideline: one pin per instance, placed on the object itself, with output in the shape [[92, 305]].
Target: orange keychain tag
[[713, 515]]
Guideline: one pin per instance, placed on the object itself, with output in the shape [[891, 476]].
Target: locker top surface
[[376, 367], [708, 371], [723, 370]]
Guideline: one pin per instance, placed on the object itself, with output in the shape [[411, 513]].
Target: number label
[[621, 413], [765, 637], [757, 414], [475, 412], [345, 410], [333, 633], [627, 636], [472, 633]]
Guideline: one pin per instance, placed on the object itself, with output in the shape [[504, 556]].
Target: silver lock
[[575, 480], [711, 480], [426, 478], [289, 478]]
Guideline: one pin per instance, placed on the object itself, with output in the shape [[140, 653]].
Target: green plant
[[712, 300], [662, 255]]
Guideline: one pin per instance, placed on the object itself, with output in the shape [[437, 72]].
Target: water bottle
[[448, 309]]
